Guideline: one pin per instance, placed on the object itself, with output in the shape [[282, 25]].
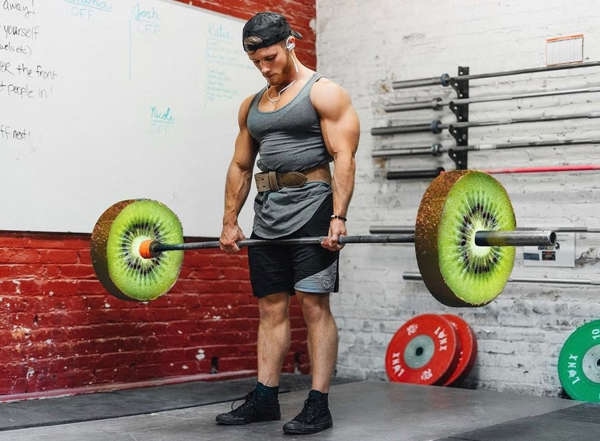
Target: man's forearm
[[237, 188], [343, 183]]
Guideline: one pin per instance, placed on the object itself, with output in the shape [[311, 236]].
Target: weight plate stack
[[579, 363], [468, 349], [424, 350]]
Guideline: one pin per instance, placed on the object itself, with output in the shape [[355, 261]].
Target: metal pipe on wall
[[426, 173], [436, 126], [437, 149], [438, 103], [445, 79]]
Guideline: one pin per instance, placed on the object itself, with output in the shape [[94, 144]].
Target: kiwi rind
[[121, 269], [438, 248], [98, 247]]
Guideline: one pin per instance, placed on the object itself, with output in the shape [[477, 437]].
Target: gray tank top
[[288, 139]]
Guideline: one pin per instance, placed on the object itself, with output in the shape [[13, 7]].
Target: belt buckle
[[262, 181], [266, 181]]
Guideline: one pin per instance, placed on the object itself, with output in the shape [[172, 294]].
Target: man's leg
[[273, 343], [273, 337], [322, 350], [322, 338]]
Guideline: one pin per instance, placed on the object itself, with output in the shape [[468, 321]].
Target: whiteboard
[[105, 100]]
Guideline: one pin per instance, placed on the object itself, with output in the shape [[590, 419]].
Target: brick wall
[[521, 333], [60, 332]]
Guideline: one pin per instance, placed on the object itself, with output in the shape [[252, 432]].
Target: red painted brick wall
[[59, 329]]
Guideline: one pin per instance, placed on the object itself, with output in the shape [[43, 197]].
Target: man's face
[[273, 62]]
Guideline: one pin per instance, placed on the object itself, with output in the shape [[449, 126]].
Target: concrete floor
[[365, 410]]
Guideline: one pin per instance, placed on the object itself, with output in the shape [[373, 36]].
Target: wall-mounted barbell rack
[[460, 108]]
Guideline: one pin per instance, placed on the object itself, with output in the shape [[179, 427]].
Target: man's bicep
[[245, 148], [245, 151], [340, 124]]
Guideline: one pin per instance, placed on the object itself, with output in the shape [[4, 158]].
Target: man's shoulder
[[327, 92]]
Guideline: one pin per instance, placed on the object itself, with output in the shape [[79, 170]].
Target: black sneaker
[[250, 411], [315, 416]]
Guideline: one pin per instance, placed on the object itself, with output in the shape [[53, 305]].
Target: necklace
[[278, 97]]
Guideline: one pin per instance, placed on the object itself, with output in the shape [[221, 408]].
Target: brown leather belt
[[274, 181]]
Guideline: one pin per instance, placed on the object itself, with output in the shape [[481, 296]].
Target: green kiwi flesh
[[127, 274], [456, 205]]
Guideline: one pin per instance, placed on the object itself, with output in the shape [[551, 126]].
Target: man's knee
[[273, 308], [315, 307]]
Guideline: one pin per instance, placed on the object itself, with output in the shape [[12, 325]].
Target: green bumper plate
[[579, 363]]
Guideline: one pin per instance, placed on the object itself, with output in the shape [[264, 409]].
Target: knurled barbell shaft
[[157, 247], [482, 238]]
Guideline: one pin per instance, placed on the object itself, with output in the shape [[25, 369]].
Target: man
[[298, 124]]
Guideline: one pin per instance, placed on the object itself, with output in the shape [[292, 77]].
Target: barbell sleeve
[[442, 80], [434, 149], [515, 238], [433, 127]]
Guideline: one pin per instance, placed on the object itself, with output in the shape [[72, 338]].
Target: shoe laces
[[249, 402], [312, 408]]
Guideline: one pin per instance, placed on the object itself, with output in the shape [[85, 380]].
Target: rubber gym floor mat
[[103, 405], [577, 423]]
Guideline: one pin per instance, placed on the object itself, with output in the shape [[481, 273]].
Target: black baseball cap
[[269, 28]]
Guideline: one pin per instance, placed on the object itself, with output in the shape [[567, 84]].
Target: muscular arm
[[341, 130], [238, 182]]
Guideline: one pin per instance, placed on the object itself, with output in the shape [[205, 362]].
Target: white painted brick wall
[[364, 45]]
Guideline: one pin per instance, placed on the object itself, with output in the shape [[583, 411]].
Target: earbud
[[289, 45]]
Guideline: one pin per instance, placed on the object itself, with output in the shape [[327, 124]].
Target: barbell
[[464, 240]]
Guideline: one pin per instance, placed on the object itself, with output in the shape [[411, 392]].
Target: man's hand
[[337, 228], [230, 235]]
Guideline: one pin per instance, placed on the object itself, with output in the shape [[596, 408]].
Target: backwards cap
[[268, 28]]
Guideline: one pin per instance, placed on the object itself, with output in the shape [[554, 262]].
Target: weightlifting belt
[[274, 181]]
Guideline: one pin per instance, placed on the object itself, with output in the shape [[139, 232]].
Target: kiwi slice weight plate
[[454, 207], [115, 249]]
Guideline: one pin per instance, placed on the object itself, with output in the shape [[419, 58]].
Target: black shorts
[[289, 268]]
